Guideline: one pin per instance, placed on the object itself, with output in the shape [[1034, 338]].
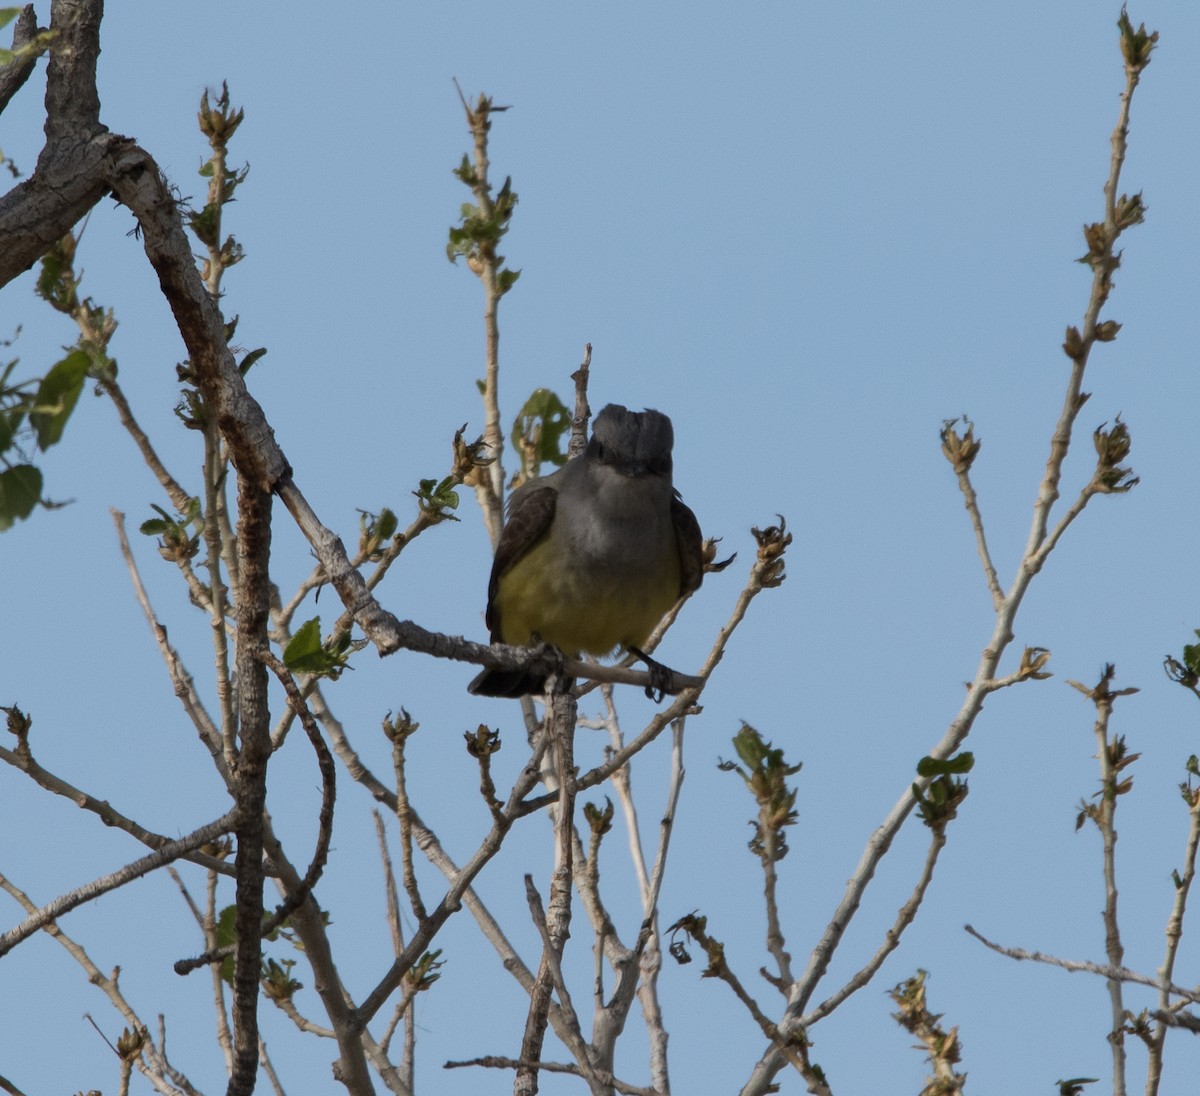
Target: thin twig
[[153, 1062], [171, 851], [460, 881], [1034, 556], [1123, 974], [891, 938], [498, 1062], [560, 727], [23, 759], [389, 886], [185, 688], [575, 1040], [1174, 934], [292, 898], [1106, 821], [971, 500]]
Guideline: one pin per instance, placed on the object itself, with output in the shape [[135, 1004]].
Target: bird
[[593, 555]]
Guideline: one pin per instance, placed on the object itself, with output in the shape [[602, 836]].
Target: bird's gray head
[[632, 442]]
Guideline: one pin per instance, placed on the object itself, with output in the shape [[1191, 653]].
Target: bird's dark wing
[[529, 517], [690, 542]]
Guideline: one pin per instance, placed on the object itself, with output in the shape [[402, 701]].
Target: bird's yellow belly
[[594, 613]]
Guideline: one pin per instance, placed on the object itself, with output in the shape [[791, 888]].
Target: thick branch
[[72, 101], [254, 545]]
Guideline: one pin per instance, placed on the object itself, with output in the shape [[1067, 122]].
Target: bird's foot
[[553, 674], [662, 678]]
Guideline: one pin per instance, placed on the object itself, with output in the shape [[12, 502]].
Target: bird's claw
[[662, 678]]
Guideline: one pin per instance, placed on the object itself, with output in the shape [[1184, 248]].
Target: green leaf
[[304, 647], [306, 654], [750, 746], [57, 396], [951, 766], [438, 497], [8, 427], [1191, 656], [387, 525], [20, 490], [1074, 1087], [226, 937], [250, 359], [205, 224], [546, 418], [506, 279]]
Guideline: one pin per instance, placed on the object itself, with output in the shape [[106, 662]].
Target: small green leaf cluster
[[484, 222], [307, 654], [375, 531], [539, 429], [277, 981], [276, 974], [1118, 758], [425, 971], [939, 802], [33, 413], [480, 230], [18, 722], [765, 773], [1136, 45], [401, 727], [437, 498], [943, 1047], [130, 1044], [175, 542], [218, 121]]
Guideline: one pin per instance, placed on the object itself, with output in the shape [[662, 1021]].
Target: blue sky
[[809, 233]]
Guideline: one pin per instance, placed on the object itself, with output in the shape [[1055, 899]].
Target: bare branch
[[1123, 974], [250, 787], [185, 689], [575, 1041], [583, 413], [560, 728], [1078, 348], [891, 939], [1174, 934], [460, 880], [153, 1064], [171, 851], [23, 759], [496, 1062], [389, 884]]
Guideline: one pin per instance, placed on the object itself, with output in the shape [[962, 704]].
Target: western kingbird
[[593, 555]]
